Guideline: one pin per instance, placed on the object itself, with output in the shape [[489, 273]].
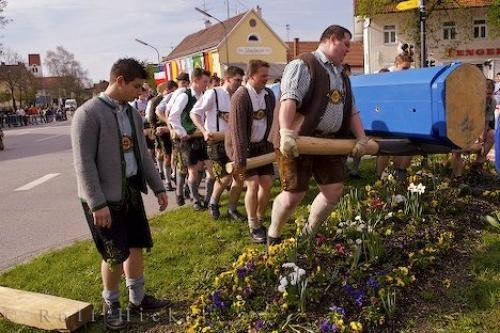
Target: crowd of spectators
[[32, 115]]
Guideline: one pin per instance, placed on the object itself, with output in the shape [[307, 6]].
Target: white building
[[457, 30]]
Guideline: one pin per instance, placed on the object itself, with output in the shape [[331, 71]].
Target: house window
[[389, 34], [479, 28], [253, 23], [449, 31], [253, 38]]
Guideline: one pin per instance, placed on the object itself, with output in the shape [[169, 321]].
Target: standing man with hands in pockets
[[113, 166], [316, 100]]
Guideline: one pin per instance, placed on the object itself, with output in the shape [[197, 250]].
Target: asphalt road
[[36, 217]]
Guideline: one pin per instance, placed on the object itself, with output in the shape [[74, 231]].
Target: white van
[[70, 103]]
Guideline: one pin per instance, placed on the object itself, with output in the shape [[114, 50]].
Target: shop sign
[[254, 50]]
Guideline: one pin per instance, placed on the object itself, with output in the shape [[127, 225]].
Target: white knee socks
[[320, 209]]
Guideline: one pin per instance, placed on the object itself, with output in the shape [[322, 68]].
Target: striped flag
[[160, 74]]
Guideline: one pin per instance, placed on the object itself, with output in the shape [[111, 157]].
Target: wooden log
[[465, 104], [308, 145], [254, 162], [214, 137], [43, 311]]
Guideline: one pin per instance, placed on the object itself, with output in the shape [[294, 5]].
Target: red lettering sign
[[475, 52]]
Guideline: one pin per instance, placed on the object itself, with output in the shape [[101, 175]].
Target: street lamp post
[[223, 27], [151, 46]]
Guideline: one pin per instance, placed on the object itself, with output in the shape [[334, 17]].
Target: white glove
[[288, 143], [360, 147]]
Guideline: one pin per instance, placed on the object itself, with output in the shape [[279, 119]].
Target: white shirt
[[176, 93], [258, 103], [178, 106], [206, 108]]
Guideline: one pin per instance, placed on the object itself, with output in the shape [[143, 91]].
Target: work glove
[[288, 143], [361, 146]]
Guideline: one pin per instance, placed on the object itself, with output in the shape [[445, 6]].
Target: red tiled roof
[[204, 39], [445, 4], [353, 58]]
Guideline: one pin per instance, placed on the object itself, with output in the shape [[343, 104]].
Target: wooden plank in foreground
[[43, 311]]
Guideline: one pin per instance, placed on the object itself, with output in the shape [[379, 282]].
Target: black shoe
[[187, 193], [259, 235], [213, 210], [113, 316], [235, 215], [169, 187], [149, 303], [197, 206], [273, 241], [180, 201]]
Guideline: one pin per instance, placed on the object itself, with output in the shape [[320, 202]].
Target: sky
[[98, 32]]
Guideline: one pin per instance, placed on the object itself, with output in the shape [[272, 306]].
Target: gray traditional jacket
[[98, 155]]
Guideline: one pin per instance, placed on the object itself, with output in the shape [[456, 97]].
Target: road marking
[[37, 182], [48, 138]]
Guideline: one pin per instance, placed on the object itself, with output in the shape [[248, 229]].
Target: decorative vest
[[316, 99], [186, 121]]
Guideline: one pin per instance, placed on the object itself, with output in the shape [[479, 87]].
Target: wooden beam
[[43, 311]]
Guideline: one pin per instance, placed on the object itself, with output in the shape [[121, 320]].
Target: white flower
[[283, 284], [390, 177], [389, 215], [293, 278], [359, 241], [357, 218], [359, 229], [398, 198], [370, 229], [339, 231], [420, 188], [362, 226]]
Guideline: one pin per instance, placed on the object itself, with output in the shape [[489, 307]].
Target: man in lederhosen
[[192, 150], [113, 166], [250, 120], [316, 100], [214, 108]]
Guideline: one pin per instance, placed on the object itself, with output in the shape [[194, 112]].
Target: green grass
[[190, 249], [481, 296]]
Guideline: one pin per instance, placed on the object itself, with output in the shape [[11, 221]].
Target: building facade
[[456, 31], [234, 42]]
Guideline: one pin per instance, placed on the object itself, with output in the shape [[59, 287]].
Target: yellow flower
[[285, 294], [388, 232], [285, 306], [356, 326], [206, 329], [388, 278], [403, 270], [195, 310], [447, 283], [399, 282], [340, 323]]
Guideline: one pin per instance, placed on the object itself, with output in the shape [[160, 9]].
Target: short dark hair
[[384, 70], [254, 65], [171, 84], [198, 73], [232, 71], [403, 57], [130, 69], [334, 30]]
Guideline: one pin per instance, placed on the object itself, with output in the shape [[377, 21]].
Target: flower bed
[[358, 272]]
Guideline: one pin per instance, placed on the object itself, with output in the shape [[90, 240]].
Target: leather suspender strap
[[217, 108]]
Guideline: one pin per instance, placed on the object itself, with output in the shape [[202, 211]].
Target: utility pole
[[423, 37], [227, 8], [287, 27]]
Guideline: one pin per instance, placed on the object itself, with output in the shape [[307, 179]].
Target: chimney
[[296, 50], [208, 24], [259, 10]]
